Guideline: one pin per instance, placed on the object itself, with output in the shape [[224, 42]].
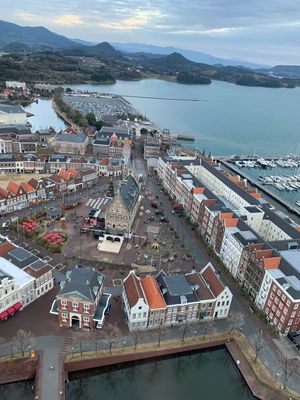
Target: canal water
[[17, 391], [44, 116], [207, 375]]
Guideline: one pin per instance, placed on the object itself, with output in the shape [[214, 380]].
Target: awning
[[3, 315], [17, 306], [10, 310]]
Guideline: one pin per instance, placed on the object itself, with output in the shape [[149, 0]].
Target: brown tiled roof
[[133, 289], [202, 291], [213, 281], [152, 292], [6, 248], [56, 178]]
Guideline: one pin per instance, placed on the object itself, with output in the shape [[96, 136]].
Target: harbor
[[279, 178]]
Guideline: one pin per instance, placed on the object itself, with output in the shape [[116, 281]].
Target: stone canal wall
[[260, 388], [18, 369]]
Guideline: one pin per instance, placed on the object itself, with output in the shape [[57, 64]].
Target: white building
[[15, 85], [24, 282], [11, 114], [135, 303]]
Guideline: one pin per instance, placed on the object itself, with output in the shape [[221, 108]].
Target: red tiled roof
[[272, 263], [72, 172], [33, 182], [6, 248], [103, 161], [152, 292], [27, 187], [133, 289], [12, 187], [214, 282], [3, 193]]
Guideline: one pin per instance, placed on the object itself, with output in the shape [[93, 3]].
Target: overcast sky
[[264, 31]]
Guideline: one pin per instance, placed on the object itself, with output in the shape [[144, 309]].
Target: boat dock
[[254, 182], [188, 138]]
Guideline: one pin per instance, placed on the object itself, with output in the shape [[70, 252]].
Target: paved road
[[241, 316]]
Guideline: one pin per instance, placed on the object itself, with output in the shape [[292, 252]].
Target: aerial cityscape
[[149, 201]]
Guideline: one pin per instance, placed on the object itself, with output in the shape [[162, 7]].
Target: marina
[[281, 187]]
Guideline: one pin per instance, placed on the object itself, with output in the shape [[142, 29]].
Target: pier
[[261, 187]]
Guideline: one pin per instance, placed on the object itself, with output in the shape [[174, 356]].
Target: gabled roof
[[152, 292], [133, 289], [28, 188], [199, 286], [12, 187], [215, 285], [3, 193], [33, 182]]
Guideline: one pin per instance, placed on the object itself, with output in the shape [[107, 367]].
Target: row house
[[135, 304], [167, 300], [236, 237], [255, 260], [279, 295], [81, 301]]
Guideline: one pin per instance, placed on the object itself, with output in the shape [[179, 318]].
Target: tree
[[288, 370], [80, 339], [258, 345], [110, 191], [144, 131], [23, 341]]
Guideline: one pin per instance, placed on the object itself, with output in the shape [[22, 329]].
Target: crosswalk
[[96, 203]]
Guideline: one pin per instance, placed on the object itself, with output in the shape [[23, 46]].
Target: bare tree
[[204, 333], [159, 335], [288, 370], [135, 340], [258, 345], [23, 341], [80, 339], [184, 331]]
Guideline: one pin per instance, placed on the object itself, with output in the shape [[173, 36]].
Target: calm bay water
[[15, 391], [227, 119], [209, 375]]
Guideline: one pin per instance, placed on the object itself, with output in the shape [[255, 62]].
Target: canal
[[18, 390], [205, 375]]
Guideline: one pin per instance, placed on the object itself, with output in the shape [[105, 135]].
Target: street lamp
[[277, 376]]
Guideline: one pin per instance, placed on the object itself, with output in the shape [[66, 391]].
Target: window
[[62, 302], [86, 308], [64, 317], [218, 304], [296, 306], [86, 321], [75, 306], [144, 315]]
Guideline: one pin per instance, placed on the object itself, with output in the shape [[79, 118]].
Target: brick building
[[81, 301]]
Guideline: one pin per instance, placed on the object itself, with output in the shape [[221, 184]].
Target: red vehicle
[[154, 204], [177, 207]]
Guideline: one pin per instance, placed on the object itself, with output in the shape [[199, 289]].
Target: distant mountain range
[[190, 54], [16, 38], [137, 61], [26, 37]]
